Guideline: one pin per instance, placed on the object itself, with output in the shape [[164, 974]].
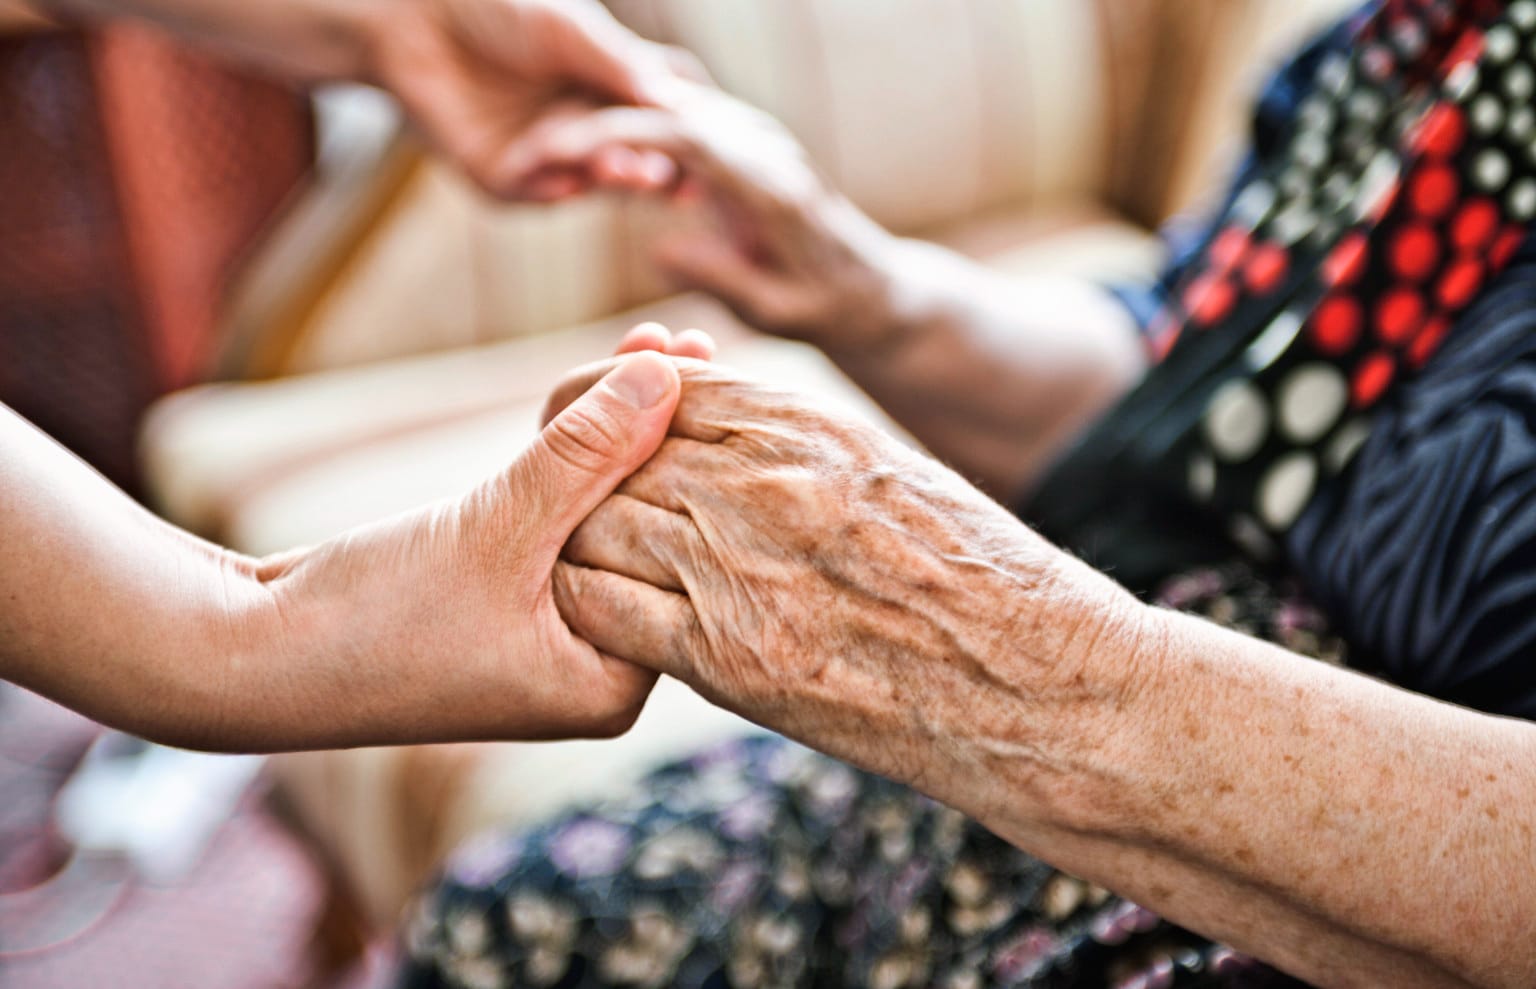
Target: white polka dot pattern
[[1286, 489], [1237, 422], [1427, 184], [1311, 400]]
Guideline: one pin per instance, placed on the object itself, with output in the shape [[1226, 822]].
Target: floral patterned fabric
[[763, 864]]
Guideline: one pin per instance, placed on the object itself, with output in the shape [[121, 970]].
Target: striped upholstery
[[924, 111]]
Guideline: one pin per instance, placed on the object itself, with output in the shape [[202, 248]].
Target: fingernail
[[642, 381]]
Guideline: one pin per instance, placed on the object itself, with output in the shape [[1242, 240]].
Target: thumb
[[593, 445]]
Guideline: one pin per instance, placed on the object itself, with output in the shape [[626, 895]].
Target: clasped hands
[[818, 576]]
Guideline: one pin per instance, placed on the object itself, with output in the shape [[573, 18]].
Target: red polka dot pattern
[[1336, 325], [1399, 315], [1227, 249], [1460, 283], [1345, 265], [1407, 184], [1415, 252], [1434, 191], [1371, 379], [1442, 132], [1428, 341], [1504, 248], [1210, 298], [1475, 225], [1265, 268]]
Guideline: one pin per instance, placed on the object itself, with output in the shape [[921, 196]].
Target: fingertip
[[646, 336], [695, 344], [656, 169], [616, 165]]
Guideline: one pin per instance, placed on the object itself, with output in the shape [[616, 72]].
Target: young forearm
[[121, 616], [1350, 832], [993, 374], [435, 625], [105, 608]]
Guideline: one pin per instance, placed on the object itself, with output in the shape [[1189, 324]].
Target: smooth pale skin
[[820, 578], [436, 625]]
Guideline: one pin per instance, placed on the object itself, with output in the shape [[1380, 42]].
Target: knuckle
[[585, 437]]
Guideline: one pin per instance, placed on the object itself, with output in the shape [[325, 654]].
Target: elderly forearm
[[1350, 832], [993, 374], [307, 40]]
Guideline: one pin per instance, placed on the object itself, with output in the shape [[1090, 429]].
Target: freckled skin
[[834, 585]]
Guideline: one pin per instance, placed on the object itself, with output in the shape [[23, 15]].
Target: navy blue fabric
[[1424, 552]]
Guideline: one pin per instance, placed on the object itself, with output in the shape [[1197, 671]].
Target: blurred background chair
[[135, 179], [394, 335]]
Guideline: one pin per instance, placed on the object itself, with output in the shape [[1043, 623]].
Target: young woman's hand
[[474, 74], [434, 625]]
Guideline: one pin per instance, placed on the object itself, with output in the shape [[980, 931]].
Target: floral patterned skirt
[[763, 864]]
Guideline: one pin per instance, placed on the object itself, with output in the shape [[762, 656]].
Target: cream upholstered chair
[[1033, 134]]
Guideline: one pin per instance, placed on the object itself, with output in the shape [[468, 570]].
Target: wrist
[[369, 29], [200, 673], [1086, 652], [891, 301]]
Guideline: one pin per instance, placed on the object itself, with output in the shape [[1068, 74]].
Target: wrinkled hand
[[445, 617], [786, 252], [819, 577], [474, 74]]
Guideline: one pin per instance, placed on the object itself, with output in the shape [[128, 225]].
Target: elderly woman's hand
[[823, 579], [828, 582], [786, 251]]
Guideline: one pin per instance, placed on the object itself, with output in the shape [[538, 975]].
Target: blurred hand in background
[[474, 74], [787, 252]]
